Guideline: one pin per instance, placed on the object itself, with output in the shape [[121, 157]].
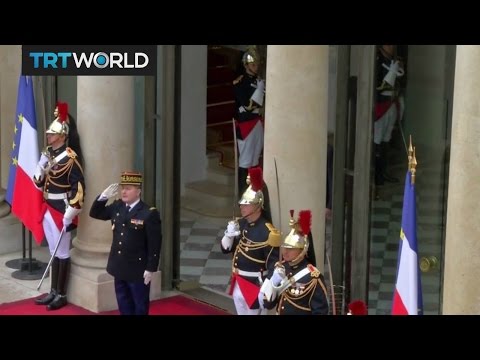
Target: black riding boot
[[47, 299], [386, 176], [379, 165], [242, 181], [63, 274]]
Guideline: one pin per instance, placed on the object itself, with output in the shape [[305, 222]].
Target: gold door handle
[[428, 263]]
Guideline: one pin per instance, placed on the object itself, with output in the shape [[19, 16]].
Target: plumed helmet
[[60, 124], [298, 236], [253, 195], [250, 56], [357, 307]]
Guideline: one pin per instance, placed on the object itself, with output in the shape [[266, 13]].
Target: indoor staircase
[[214, 196], [221, 102]]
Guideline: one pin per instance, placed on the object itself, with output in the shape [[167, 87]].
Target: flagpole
[[31, 268], [17, 263]]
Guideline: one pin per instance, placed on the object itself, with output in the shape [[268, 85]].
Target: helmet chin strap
[[299, 257], [256, 208]]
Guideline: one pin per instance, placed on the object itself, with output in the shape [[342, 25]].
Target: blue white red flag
[[407, 298], [22, 194]]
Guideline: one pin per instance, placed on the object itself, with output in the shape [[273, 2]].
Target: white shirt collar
[[132, 205]]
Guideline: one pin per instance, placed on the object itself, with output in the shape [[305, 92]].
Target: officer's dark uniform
[[254, 253], [135, 248], [307, 296]]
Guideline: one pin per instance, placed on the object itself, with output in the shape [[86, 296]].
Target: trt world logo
[[89, 60]]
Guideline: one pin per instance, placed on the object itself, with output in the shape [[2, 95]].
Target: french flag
[[22, 194], [407, 298]]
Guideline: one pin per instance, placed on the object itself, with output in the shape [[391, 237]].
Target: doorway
[[367, 218]]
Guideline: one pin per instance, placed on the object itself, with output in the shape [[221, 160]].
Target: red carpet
[[174, 305]]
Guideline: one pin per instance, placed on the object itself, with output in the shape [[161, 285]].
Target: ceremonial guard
[[249, 92], [254, 243], [137, 238], [296, 286], [389, 107], [60, 174]]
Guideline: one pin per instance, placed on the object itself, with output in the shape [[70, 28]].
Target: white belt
[[287, 282], [60, 196], [251, 273], [387, 93]]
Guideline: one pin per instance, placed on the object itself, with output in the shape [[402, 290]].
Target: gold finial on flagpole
[[413, 166], [410, 153]]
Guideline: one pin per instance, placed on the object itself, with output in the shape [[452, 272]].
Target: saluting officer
[[59, 173], [137, 238], [298, 286], [254, 243]]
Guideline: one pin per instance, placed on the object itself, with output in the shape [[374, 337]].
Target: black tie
[[125, 211]]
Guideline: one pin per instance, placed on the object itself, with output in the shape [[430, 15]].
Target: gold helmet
[[60, 124], [250, 56], [298, 236], [253, 195]]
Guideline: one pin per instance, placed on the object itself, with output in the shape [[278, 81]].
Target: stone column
[[10, 64], [105, 117], [296, 135], [461, 293]]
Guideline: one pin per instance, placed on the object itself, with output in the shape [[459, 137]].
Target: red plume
[[358, 307], [62, 111], [305, 221], [256, 178]]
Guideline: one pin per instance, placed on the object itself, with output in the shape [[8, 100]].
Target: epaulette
[[71, 154], [274, 237], [152, 208], [237, 80], [314, 272]]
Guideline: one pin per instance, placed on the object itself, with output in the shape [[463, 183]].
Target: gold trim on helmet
[[250, 56], [250, 197], [57, 127]]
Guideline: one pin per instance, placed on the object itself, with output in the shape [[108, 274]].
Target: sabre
[[278, 196], [332, 290], [279, 207], [235, 199], [51, 259]]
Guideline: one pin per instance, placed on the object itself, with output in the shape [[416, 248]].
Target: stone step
[[221, 175], [206, 191], [208, 209]]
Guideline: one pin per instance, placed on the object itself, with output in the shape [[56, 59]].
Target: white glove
[[70, 214], [66, 221], [259, 93], [394, 70], [43, 161], [109, 192], [261, 298], [233, 229], [261, 85], [227, 242], [42, 167], [278, 276], [147, 276]]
